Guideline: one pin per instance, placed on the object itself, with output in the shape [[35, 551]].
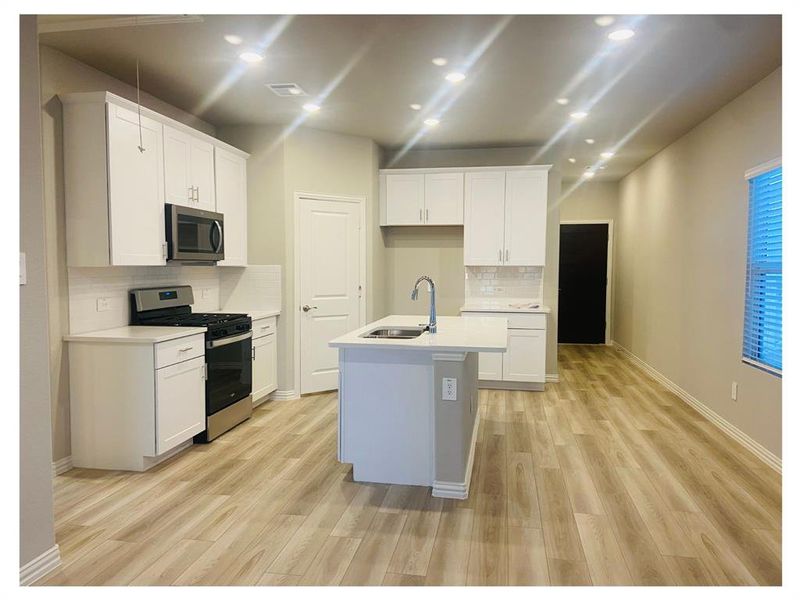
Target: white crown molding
[[56, 26], [40, 566], [723, 425]]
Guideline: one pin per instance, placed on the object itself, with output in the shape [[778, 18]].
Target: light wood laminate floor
[[605, 478]]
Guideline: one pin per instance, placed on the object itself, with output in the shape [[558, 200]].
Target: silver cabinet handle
[[253, 354], [506, 254], [191, 193], [420, 215], [427, 215], [307, 308], [185, 349], [197, 194], [499, 256]]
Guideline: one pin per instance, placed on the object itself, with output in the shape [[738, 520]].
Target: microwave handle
[[219, 230]]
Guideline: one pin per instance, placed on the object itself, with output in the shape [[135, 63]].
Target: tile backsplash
[[98, 296], [503, 282]]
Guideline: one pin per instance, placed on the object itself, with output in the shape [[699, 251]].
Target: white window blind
[[762, 344]]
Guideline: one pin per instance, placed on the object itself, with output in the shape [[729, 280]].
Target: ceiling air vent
[[286, 89]]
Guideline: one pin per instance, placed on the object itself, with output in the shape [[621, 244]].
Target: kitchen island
[[408, 406]]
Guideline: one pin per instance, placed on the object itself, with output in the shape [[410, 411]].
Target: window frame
[[751, 174]]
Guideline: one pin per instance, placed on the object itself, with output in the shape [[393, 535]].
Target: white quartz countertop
[[505, 306], [253, 314], [135, 334], [454, 334]]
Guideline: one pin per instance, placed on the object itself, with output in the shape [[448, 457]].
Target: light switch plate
[[23, 269], [449, 388], [103, 305], [734, 391]]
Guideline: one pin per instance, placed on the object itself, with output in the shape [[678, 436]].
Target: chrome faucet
[[432, 290]]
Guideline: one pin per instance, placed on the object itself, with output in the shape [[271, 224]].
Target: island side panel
[[455, 423], [386, 415]]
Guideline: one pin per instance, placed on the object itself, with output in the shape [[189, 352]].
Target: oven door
[[193, 234], [230, 371]]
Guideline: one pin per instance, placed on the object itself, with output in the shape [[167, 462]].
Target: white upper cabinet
[[123, 163], [484, 217], [405, 199], [135, 189], [231, 190], [505, 217], [444, 198], [526, 218], [420, 198], [188, 170]]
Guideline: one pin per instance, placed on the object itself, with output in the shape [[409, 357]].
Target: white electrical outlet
[[449, 388], [734, 390], [23, 269], [204, 293], [103, 305]]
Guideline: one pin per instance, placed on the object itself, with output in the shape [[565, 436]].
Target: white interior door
[[330, 286]]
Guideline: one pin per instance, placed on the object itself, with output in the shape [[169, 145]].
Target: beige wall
[[592, 200], [312, 161], [680, 267], [61, 74], [36, 534]]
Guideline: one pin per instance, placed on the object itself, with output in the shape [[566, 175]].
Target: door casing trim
[[362, 275], [609, 261]]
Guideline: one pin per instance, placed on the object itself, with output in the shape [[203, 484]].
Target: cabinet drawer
[[175, 351], [526, 320], [264, 326]]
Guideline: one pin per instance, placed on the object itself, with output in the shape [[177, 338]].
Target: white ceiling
[[641, 94]]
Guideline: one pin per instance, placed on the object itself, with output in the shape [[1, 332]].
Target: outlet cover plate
[[449, 388]]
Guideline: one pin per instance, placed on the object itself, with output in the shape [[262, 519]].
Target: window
[[762, 344]]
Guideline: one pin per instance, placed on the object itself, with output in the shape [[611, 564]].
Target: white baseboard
[[62, 465], [285, 395], [40, 566], [551, 378], [723, 425], [459, 490]]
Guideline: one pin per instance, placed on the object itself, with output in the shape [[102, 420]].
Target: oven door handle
[[229, 340]]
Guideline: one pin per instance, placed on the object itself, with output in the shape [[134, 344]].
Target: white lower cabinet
[[265, 358], [179, 415], [524, 359], [132, 401]]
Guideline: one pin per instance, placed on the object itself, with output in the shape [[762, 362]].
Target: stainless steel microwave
[[194, 235]]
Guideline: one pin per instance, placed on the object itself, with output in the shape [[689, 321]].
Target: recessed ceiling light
[[415, 106], [562, 101], [431, 122], [572, 160], [607, 154], [251, 57], [589, 140], [588, 174], [233, 39], [604, 21], [579, 115], [311, 107], [621, 34], [455, 77], [439, 61]]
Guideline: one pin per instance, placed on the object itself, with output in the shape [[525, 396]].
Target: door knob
[[307, 308]]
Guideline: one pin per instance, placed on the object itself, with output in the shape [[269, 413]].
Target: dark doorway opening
[[582, 282]]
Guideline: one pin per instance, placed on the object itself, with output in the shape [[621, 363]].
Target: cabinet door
[[135, 189], [231, 189], [177, 177], [180, 403], [524, 358], [526, 217], [490, 366], [201, 163], [444, 199], [405, 199], [265, 369], [484, 217]]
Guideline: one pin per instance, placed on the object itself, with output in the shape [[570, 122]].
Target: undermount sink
[[395, 333]]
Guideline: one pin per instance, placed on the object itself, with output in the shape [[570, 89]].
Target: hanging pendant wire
[[139, 107]]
